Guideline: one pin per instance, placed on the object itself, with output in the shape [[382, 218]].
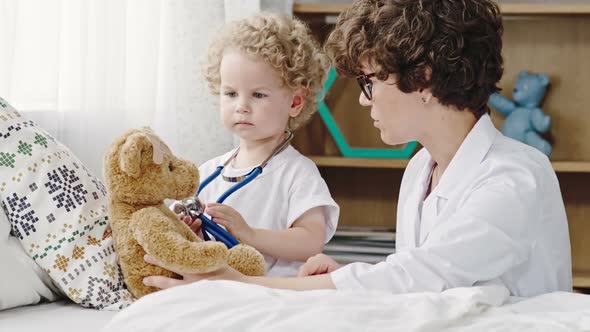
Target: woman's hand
[[228, 273], [232, 220], [318, 264], [224, 273]]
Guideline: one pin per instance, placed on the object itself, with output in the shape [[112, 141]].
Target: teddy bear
[[140, 171], [524, 119]]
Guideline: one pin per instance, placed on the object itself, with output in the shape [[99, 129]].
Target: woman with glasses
[[475, 207]]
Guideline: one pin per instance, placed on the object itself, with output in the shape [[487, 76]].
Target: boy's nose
[[242, 108]]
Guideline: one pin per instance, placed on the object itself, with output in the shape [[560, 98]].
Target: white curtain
[[89, 69]]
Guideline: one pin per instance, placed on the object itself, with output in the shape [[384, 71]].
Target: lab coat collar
[[467, 158]]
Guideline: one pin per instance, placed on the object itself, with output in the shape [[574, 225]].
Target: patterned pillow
[[57, 210]]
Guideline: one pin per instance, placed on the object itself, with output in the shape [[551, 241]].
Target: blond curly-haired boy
[[268, 71]]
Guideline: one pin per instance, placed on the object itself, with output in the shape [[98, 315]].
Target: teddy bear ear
[[544, 79], [130, 154]]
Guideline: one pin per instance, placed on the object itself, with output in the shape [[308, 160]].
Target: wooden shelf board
[[323, 161], [359, 162], [571, 166], [581, 279], [320, 8], [507, 9], [545, 9]]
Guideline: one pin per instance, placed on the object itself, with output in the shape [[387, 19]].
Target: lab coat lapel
[[412, 213], [459, 172], [429, 217]]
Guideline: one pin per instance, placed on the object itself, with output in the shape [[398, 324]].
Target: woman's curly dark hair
[[458, 41]]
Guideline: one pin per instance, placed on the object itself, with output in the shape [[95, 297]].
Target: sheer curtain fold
[[186, 115], [87, 70]]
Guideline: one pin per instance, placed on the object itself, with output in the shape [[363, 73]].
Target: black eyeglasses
[[366, 84]]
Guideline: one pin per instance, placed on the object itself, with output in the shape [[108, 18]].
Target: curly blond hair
[[284, 43]]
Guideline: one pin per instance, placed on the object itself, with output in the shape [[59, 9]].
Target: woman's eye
[[230, 94], [259, 95]]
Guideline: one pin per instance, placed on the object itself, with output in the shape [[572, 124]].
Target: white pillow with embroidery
[[58, 211]]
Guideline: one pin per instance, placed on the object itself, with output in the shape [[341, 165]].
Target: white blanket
[[225, 305]]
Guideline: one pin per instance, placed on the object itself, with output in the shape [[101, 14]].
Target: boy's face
[[254, 102]]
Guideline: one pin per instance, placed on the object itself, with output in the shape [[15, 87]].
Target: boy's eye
[[230, 94], [259, 95]]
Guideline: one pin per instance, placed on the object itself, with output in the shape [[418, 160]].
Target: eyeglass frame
[[366, 85]]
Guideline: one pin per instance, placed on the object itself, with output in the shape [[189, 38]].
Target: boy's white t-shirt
[[288, 186]]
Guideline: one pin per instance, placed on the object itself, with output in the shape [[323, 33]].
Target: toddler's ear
[[298, 102]]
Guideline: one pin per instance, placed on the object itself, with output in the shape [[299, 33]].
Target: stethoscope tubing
[[208, 226]]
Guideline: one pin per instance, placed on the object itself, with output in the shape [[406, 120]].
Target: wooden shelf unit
[[549, 38]]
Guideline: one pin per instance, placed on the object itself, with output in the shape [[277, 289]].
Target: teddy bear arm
[[157, 235], [539, 120], [502, 104], [535, 140], [181, 227], [247, 260]]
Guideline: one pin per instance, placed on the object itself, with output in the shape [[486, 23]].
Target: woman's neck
[[445, 135], [253, 153]]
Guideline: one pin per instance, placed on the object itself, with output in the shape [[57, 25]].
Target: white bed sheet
[[225, 305], [61, 316], [231, 306]]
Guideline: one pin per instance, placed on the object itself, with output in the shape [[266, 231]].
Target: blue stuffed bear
[[524, 119]]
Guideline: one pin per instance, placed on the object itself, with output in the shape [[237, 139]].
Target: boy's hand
[[232, 220], [193, 224], [318, 264]]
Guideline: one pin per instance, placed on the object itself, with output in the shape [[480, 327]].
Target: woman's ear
[[298, 102], [425, 95]]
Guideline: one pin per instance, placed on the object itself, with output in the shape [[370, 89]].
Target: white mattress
[[53, 317]]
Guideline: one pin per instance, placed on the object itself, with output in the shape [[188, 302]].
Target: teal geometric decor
[[347, 150]]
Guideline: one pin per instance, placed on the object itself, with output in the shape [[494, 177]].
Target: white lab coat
[[496, 217]]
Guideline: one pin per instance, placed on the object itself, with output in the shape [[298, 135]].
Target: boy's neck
[[253, 153]]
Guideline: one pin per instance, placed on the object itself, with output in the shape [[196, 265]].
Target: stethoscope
[[193, 207]]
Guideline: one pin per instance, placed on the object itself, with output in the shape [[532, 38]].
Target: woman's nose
[[363, 100]]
